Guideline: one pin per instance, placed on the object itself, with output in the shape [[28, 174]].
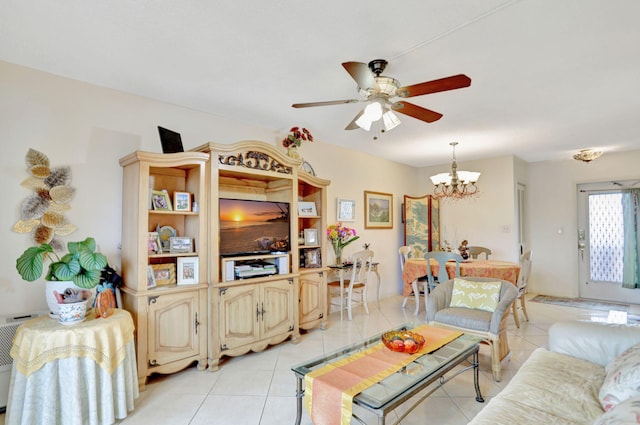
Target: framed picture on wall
[[378, 210], [346, 210]]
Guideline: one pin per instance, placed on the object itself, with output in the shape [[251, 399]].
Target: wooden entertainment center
[[230, 310]]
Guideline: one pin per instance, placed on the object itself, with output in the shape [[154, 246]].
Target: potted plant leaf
[[67, 276]]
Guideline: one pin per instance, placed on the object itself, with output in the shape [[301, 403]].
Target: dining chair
[[455, 304], [521, 285], [475, 251], [357, 282], [441, 257], [404, 252]]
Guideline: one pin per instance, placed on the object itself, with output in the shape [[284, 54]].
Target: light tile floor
[[259, 388]]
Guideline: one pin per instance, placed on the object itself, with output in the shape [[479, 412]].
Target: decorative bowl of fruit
[[403, 341]]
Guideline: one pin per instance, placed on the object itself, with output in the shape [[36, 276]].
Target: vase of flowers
[[294, 140], [340, 236]]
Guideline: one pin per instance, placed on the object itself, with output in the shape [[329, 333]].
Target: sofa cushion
[[622, 380], [625, 413], [477, 295], [549, 388]]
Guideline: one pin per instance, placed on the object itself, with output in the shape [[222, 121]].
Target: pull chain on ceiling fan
[[378, 90]]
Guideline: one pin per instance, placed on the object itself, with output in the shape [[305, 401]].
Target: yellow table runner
[[42, 340], [329, 390]]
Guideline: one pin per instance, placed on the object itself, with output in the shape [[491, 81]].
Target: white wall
[[89, 128], [553, 206]]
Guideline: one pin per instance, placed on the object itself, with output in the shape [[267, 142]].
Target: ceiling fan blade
[[416, 111], [352, 125], [443, 84], [327, 103], [362, 74]]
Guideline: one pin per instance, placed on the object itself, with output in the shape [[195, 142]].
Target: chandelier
[[456, 184]]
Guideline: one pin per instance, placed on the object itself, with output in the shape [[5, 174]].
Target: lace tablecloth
[[80, 374], [417, 267]]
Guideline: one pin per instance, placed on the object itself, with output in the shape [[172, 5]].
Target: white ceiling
[[549, 77]]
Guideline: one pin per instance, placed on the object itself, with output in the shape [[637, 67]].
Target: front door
[[600, 243]]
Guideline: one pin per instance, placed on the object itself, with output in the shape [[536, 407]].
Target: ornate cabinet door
[[173, 327], [277, 308], [238, 315], [422, 224], [313, 294]]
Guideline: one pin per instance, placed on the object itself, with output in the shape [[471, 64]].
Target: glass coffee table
[[392, 392]]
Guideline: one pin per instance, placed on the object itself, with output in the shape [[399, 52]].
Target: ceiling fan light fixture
[[390, 120], [364, 123]]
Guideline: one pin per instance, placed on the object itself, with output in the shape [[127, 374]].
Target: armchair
[[488, 325]]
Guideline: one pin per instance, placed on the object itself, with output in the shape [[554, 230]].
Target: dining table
[[415, 268]]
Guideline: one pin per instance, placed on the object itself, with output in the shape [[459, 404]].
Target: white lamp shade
[[390, 120], [442, 178]]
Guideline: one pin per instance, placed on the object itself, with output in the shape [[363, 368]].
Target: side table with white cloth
[[82, 374]]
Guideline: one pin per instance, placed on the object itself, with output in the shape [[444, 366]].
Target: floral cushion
[[625, 413], [477, 295], [622, 380]]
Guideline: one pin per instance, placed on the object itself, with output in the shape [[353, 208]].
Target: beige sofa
[[561, 385]]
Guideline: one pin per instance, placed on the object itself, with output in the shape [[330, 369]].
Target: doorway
[[601, 242]]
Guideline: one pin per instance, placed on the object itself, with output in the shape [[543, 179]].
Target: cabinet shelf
[[173, 255], [173, 212]]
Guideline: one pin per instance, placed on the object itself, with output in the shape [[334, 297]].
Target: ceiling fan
[[378, 90]]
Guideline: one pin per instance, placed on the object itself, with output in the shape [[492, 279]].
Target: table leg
[[476, 377], [341, 294], [375, 270], [299, 396]]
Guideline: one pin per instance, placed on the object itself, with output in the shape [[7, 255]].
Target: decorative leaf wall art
[[42, 213]]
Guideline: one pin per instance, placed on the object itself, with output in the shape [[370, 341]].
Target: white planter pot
[[66, 290]]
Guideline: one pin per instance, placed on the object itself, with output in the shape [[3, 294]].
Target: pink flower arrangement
[[340, 236], [296, 137]]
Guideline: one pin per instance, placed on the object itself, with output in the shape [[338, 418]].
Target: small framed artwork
[[154, 245], [312, 258], [187, 270], [164, 274], [346, 210], [160, 200], [307, 209], [310, 236], [180, 245], [378, 210], [151, 280], [181, 201]]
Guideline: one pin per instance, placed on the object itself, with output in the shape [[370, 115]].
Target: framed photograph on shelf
[[154, 245], [180, 245], [187, 270], [307, 209], [164, 274], [310, 236], [182, 201], [151, 280], [378, 210], [312, 258], [346, 210], [160, 200]]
